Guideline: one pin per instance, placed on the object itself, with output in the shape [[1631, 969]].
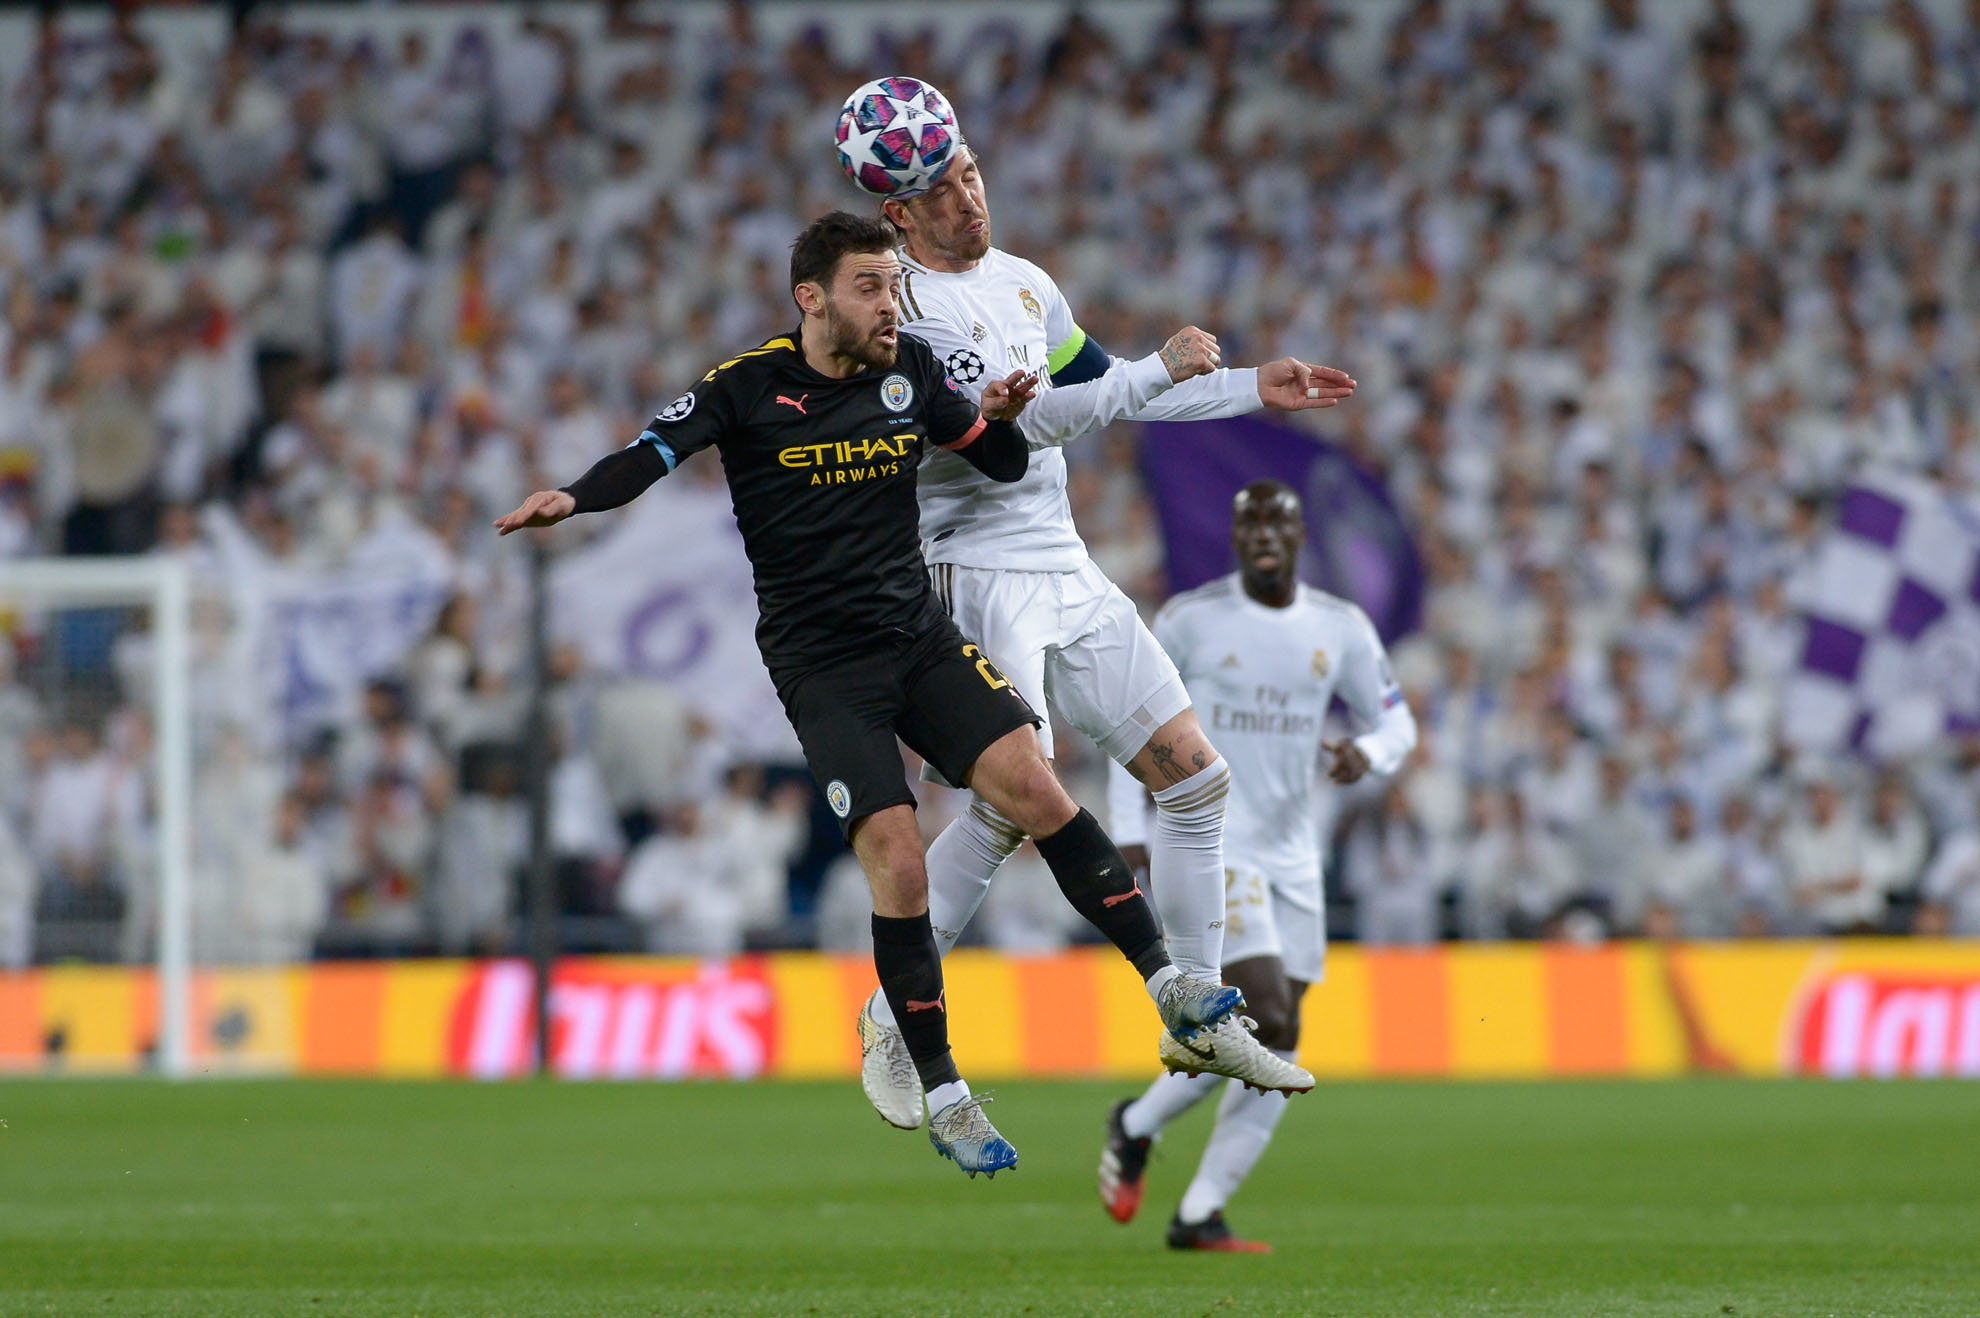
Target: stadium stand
[[1630, 300]]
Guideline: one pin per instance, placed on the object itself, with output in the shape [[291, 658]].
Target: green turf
[[280, 1198]]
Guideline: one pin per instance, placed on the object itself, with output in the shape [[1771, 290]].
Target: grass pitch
[[1706, 1198]]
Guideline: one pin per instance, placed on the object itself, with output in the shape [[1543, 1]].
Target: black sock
[[910, 967], [1096, 879]]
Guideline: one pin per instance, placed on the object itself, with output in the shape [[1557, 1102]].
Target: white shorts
[[1070, 640], [1263, 919]]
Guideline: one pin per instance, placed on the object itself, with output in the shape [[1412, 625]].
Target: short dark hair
[[815, 254]]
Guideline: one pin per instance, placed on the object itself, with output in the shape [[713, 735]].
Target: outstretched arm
[[1285, 385], [1081, 403], [614, 480]]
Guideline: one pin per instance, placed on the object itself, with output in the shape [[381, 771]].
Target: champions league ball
[[896, 136]]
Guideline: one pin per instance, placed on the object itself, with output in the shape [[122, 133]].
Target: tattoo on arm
[[1173, 356]]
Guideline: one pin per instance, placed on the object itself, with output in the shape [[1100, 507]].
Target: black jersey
[[821, 474]]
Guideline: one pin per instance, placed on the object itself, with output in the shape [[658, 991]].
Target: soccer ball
[[896, 136]]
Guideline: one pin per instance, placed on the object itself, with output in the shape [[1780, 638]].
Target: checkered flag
[[1891, 661]]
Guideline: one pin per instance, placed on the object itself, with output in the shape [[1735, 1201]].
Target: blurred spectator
[[1685, 895], [760, 837], [1897, 840], [1516, 879], [482, 845], [1753, 868], [270, 902], [1824, 844], [83, 797], [1395, 870], [1951, 890], [17, 885], [682, 884], [1614, 845]]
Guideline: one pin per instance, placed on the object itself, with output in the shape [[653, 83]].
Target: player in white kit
[[1011, 568], [1263, 656]]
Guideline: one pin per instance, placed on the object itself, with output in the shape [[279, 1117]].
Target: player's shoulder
[[1334, 610], [1012, 266], [1212, 596], [917, 355], [772, 357]]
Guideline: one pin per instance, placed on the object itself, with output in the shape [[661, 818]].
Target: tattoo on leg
[[1164, 756], [1199, 759]]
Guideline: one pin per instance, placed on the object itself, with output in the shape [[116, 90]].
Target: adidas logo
[[1230, 661]]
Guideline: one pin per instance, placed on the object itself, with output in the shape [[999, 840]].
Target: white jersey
[[1005, 315], [1261, 679]]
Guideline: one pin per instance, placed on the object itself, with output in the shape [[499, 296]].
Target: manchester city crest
[[896, 393], [838, 798]]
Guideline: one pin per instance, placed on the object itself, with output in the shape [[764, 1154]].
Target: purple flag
[[1357, 545], [1890, 660]]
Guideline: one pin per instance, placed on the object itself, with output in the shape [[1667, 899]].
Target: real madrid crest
[[1031, 307], [1319, 663], [896, 393]]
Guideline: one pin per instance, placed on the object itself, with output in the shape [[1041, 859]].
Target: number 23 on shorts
[[987, 669]]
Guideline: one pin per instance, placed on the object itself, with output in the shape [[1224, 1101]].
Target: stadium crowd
[[1628, 302]]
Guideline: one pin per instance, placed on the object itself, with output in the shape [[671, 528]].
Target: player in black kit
[[820, 432]]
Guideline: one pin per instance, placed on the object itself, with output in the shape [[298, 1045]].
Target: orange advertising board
[[1871, 1007]]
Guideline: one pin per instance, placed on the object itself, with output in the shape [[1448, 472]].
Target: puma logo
[[797, 402], [1135, 891], [936, 1005]]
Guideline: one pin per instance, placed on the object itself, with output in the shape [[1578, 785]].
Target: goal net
[[97, 766]]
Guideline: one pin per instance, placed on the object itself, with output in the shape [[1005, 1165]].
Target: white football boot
[[886, 1071], [1227, 1048]]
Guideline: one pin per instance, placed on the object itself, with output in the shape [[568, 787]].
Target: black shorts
[[934, 690]]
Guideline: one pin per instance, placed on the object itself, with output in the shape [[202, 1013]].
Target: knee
[[1029, 794], [990, 832], [891, 855], [1200, 813]]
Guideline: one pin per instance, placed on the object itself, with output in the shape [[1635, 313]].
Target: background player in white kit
[[1014, 573], [1263, 656]]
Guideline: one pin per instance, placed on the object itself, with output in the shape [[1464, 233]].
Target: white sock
[[943, 1096], [960, 863], [1171, 1095], [1245, 1122], [1186, 865], [1159, 981]]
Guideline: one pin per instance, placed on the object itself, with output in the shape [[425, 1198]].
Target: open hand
[[544, 508], [1191, 351], [1004, 400], [1291, 385]]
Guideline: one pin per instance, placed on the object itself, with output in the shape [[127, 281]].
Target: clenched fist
[[1190, 352]]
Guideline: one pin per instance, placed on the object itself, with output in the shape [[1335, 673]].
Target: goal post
[[161, 586]]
